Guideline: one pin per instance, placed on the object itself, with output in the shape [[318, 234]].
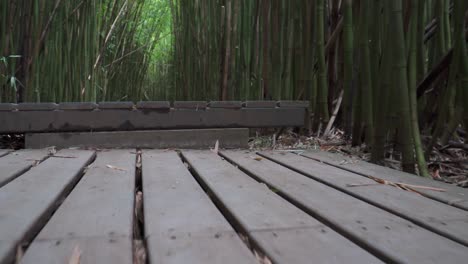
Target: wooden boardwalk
[[227, 207]]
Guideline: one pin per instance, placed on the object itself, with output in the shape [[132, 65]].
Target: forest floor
[[447, 163]]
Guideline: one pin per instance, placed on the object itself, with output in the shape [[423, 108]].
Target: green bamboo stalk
[[412, 78], [348, 63], [365, 73], [322, 88], [401, 83]]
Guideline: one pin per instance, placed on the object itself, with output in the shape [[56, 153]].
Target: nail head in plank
[[147, 105], [37, 106], [453, 195], [262, 214], [294, 104], [443, 219], [16, 163], [98, 210], [380, 230], [6, 107], [77, 106], [225, 104], [260, 104], [116, 105], [27, 202], [190, 104], [181, 222]]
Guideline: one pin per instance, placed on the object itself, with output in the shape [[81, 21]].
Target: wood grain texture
[[4, 152], [453, 195], [399, 240], [181, 222], [16, 163], [148, 118], [443, 219], [285, 233], [96, 217], [28, 201]]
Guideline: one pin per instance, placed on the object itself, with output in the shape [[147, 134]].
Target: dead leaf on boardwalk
[[216, 147], [51, 150], [139, 252], [76, 256], [35, 161], [139, 206], [19, 253], [262, 258], [405, 186], [138, 162], [115, 168], [257, 158]]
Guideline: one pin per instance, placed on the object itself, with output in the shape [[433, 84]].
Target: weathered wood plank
[[443, 219], [30, 199], [182, 138], [454, 195], [16, 163], [148, 118], [4, 152], [285, 233], [198, 105], [96, 217], [181, 222], [379, 230]]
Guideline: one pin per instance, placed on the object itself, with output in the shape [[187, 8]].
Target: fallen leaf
[[216, 147], [258, 158], [115, 168], [19, 253], [51, 150], [139, 256], [76, 256], [262, 258]]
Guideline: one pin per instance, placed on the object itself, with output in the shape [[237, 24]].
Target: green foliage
[[97, 50]]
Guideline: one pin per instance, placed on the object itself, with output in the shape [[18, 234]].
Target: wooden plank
[[443, 219], [7, 107], [4, 152], [225, 104], [37, 106], [285, 233], [375, 228], [161, 105], [199, 105], [181, 138], [83, 106], [116, 105], [148, 118], [260, 104], [454, 195], [96, 217], [28, 201], [16, 163], [181, 222], [303, 104]]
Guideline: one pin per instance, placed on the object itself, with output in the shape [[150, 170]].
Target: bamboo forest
[[391, 74]]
